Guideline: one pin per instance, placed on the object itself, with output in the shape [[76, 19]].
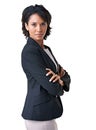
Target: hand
[[62, 72], [54, 77]]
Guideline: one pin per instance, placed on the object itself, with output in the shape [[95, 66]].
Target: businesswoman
[[47, 80]]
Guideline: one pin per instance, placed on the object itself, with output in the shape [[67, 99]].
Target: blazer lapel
[[49, 63]]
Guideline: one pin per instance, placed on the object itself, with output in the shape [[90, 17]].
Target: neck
[[41, 43]]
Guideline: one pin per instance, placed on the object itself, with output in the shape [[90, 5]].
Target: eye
[[34, 24], [43, 24]]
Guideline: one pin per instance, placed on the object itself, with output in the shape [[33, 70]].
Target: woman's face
[[36, 27]]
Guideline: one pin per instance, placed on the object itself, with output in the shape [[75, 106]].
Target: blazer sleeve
[[66, 79], [33, 65]]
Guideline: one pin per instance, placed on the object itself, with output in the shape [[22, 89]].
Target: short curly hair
[[41, 11]]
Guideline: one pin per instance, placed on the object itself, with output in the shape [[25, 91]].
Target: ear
[[26, 26]]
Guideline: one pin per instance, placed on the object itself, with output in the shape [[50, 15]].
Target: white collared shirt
[[50, 55]]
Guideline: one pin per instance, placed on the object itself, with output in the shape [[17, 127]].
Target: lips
[[39, 34]]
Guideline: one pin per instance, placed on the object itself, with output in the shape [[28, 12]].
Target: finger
[[56, 79], [50, 72], [48, 69], [52, 78]]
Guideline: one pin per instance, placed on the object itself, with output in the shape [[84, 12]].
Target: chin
[[39, 38]]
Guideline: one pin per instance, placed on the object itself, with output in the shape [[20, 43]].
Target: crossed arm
[[33, 66], [56, 77]]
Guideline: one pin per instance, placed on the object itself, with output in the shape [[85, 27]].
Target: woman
[[47, 80]]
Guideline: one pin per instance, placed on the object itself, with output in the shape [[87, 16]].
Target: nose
[[38, 28]]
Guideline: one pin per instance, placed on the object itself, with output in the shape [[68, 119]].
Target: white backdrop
[[72, 40]]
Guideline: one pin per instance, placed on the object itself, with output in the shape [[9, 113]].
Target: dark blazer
[[43, 97]]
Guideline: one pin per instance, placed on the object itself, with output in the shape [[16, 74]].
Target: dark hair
[[41, 11]]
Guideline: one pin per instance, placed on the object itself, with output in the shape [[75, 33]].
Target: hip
[[41, 125]]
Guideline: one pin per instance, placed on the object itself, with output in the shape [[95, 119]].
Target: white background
[[72, 40]]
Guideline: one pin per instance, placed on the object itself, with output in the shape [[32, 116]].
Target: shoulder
[[29, 48]]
